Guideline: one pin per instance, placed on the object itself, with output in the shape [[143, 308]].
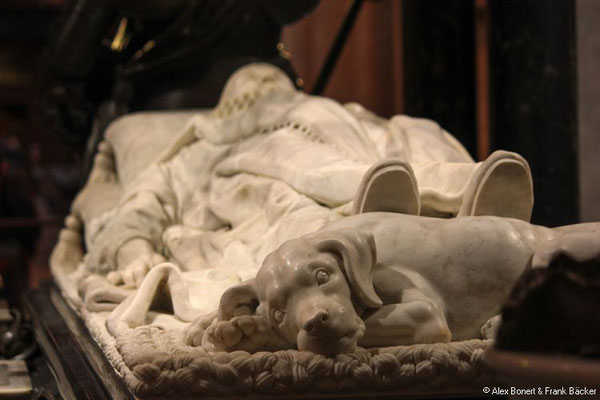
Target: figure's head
[[312, 291]]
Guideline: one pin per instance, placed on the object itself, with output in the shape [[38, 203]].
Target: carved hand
[[134, 259]]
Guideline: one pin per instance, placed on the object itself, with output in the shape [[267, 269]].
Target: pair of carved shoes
[[500, 186]]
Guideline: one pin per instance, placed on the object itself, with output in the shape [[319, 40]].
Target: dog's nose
[[316, 322]]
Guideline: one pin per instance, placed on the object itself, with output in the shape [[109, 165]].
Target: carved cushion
[[155, 364], [139, 139]]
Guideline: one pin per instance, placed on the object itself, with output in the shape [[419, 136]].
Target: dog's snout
[[316, 322]]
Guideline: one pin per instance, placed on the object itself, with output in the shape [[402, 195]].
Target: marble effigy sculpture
[[182, 207]]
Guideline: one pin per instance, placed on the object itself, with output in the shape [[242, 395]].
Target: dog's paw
[[234, 334], [194, 332], [250, 333]]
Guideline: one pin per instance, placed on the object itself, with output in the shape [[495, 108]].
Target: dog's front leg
[[417, 319], [250, 333]]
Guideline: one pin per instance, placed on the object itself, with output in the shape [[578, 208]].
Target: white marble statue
[[370, 232], [213, 193]]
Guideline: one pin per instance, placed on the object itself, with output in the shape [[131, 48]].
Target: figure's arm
[[132, 241], [129, 243], [417, 319]]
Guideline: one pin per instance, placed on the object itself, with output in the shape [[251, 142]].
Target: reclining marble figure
[[269, 164]]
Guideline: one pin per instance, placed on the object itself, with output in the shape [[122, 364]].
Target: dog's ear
[[241, 299], [357, 251]]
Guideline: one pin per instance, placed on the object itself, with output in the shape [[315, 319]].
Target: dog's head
[[312, 291]]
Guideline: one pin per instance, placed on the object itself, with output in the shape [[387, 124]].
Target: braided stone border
[[158, 365]]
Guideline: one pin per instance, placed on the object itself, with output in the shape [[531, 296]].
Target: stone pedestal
[[78, 364]]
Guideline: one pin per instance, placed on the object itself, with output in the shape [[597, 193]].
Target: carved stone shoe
[[502, 186], [389, 185]]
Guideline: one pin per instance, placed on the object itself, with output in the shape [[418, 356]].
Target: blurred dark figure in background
[[110, 57]]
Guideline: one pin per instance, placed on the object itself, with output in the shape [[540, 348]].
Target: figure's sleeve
[[144, 212], [158, 198]]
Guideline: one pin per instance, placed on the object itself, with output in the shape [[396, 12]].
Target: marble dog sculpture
[[382, 279]]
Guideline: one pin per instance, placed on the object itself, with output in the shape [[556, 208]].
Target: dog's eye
[[278, 315], [322, 276]]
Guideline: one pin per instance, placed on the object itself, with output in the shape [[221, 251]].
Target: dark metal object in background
[[439, 65], [337, 46], [534, 107], [16, 340], [75, 49], [113, 57]]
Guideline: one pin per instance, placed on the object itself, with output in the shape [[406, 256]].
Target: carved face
[[305, 290]]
